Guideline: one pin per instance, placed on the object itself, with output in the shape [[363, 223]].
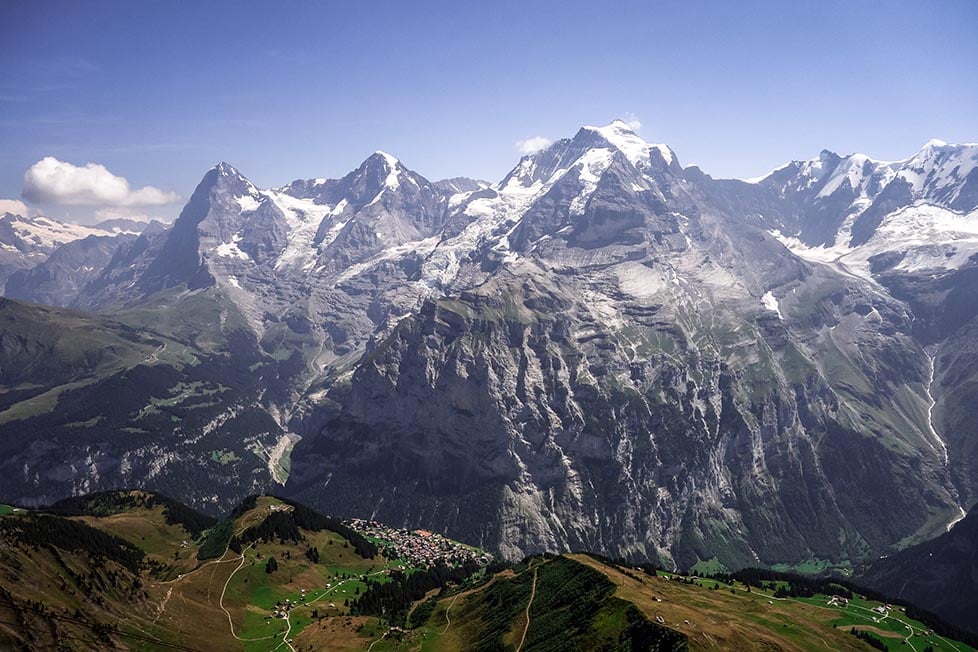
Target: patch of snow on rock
[[771, 303], [231, 250]]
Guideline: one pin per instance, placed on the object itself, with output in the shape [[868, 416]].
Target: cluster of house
[[283, 607], [418, 547], [838, 601]]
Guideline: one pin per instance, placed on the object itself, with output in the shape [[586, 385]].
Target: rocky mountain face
[[910, 226], [64, 274], [84, 400], [628, 365], [604, 350], [941, 574], [28, 243]]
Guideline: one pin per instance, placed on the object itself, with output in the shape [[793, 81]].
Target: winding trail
[[288, 618], [533, 594], [220, 602], [285, 637], [447, 617], [183, 576], [870, 617]]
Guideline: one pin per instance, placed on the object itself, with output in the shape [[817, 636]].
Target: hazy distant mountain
[[124, 225], [28, 241], [603, 351], [64, 274]]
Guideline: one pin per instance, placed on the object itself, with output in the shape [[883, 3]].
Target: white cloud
[[14, 206], [632, 121], [57, 182], [531, 145]]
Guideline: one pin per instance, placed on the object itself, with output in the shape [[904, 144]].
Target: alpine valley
[[603, 351]]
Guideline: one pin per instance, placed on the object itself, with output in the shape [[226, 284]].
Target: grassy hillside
[[737, 616], [124, 569], [547, 604], [127, 570]]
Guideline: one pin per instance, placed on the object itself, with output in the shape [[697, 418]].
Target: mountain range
[[603, 351]]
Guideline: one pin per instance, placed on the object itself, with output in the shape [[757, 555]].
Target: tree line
[[393, 598], [42, 530], [105, 503]]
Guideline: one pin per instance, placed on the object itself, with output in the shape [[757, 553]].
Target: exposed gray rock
[[605, 350]]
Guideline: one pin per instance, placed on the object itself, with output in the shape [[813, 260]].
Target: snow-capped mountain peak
[[942, 171], [235, 187], [40, 233], [391, 160], [863, 174], [635, 148], [379, 174], [392, 181], [225, 169], [381, 161]]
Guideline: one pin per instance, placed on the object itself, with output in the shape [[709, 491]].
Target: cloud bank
[[50, 181], [531, 145]]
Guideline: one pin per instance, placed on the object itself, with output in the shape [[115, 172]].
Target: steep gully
[[932, 402]]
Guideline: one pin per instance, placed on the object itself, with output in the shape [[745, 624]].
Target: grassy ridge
[[42, 530], [573, 607], [81, 565], [106, 503]]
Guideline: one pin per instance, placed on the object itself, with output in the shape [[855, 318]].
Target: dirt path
[[228, 613], [285, 637], [449, 608], [180, 578], [288, 618], [533, 594], [907, 625], [220, 602]]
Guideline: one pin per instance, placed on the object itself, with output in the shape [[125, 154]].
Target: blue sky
[[157, 92]]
